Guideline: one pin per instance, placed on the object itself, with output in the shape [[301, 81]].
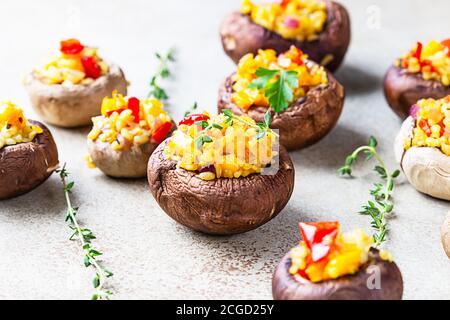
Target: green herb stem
[[85, 236], [163, 72], [381, 206]]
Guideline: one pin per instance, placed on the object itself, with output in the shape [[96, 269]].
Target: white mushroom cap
[[427, 169], [445, 235], [73, 106]]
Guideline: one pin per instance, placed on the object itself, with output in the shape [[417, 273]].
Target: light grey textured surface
[[152, 256]]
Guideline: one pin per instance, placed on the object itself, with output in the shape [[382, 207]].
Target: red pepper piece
[[119, 111], [423, 124], [193, 118], [161, 133], [446, 43], [418, 53], [428, 63], [319, 237], [71, 46], [135, 106], [91, 67], [303, 274]]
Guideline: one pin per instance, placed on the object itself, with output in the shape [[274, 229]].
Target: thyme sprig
[[85, 236], [381, 207], [163, 72]]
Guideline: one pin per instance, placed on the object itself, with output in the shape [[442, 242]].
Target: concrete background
[[152, 256]]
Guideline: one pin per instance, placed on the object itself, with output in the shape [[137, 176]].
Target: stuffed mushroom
[[320, 28], [28, 153], [329, 265], [311, 98], [423, 147], [423, 72], [68, 90], [221, 175], [125, 135]]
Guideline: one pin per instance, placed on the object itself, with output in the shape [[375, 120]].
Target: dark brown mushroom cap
[[403, 89], [350, 287], [240, 35], [221, 206], [306, 121], [25, 166]]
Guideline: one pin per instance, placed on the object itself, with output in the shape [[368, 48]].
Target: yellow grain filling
[[234, 149], [348, 253], [432, 125], [431, 60], [120, 126], [14, 127], [68, 70], [292, 60], [301, 20]]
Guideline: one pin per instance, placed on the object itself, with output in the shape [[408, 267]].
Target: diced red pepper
[[135, 106], [446, 43], [423, 124], [91, 67], [71, 46], [319, 237], [428, 63], [119, 111], [418, 53], [193, 118], [161, 132], [284, 3], [303, 274]]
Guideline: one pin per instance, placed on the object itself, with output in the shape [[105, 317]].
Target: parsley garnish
[[278, 86]]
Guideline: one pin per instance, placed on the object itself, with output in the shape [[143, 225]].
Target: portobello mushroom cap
[[445, 235], [240, 35], [221, 206], [403, 89], [426, 168], [306, 121], [359, 286], [130, 163], [24, 166], [73, 106]]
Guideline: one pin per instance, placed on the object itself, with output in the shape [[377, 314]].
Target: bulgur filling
[[431, 60], [292, 60], [325, 253], [221, 146], [75, 64], [300, 20], [127, 122], [14, 127], [432, 127]]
